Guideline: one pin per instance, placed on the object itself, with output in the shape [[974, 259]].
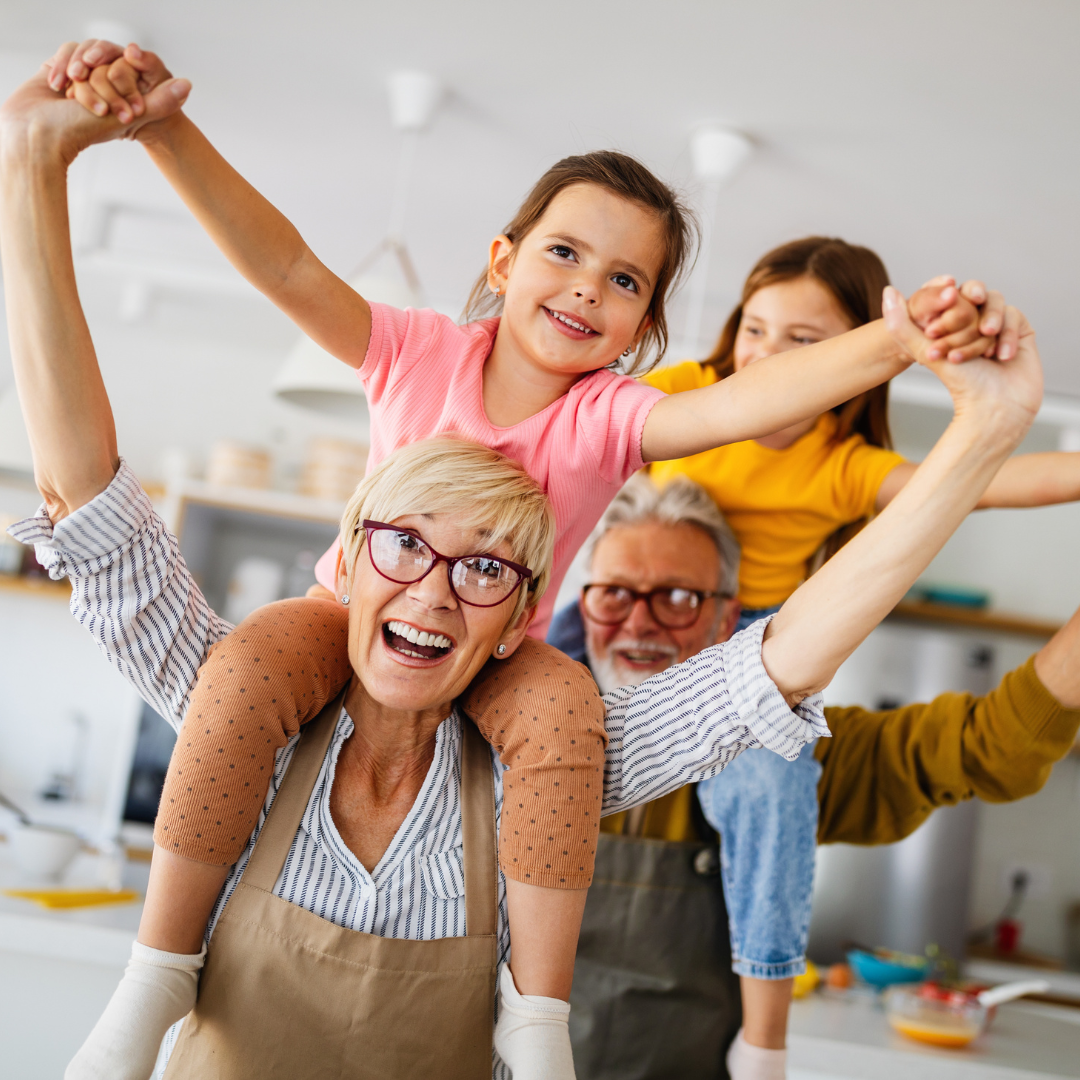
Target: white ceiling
[[942, 134]]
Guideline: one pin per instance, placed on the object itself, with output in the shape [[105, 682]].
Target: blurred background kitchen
[[399, 138]]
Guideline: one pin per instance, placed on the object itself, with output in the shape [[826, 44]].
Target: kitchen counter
[[58, 969], [846, 1037]]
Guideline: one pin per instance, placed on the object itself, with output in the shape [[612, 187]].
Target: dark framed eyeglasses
[[673, 608], [403, 556]]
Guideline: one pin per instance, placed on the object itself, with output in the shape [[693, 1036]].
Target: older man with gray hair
[[655, 994]]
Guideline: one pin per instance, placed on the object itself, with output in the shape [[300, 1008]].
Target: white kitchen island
[[847, 1037]]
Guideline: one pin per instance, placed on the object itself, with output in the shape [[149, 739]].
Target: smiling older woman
[[360, 933]]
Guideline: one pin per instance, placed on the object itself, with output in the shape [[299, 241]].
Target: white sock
[[158, 988], [746, 1062], [533, 1033]]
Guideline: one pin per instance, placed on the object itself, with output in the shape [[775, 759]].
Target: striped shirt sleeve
[[131, 589], [688, 722]]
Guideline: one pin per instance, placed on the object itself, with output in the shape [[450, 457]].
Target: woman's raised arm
[[829, 615], [67, 412]]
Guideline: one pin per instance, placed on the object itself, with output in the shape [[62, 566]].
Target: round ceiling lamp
[[717, 153]]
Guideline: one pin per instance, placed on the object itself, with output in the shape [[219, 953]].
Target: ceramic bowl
[[43, 851], [878, 971]]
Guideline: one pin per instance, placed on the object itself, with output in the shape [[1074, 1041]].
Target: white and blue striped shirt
[[132, 590]]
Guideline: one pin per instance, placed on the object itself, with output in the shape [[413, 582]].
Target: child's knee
[[289, 655], [538, 692]]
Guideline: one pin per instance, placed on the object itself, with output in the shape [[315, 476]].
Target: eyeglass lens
[[672, 608], [477, 579]]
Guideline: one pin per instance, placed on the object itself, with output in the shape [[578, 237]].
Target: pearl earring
[[629, 349], [501, 650], [345, 599]]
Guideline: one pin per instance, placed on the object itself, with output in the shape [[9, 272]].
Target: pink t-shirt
[[423, 377]]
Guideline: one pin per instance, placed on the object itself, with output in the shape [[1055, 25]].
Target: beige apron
[[288, 994]]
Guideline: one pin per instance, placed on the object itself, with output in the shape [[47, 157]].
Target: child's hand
[[964, 323], [105, 79], [933, 307]]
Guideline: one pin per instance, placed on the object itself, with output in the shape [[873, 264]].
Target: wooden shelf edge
[[43, 587], [974, 618]]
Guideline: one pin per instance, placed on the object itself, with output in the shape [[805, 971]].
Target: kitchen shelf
[[43, 587], [974, 618]]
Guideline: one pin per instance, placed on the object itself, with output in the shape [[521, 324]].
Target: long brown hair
[[855, 277], [629, 179]]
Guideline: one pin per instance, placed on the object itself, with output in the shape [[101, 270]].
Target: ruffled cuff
[[86, 539], [760, 704]]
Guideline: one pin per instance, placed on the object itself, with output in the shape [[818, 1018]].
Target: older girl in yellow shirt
[[792, 499]]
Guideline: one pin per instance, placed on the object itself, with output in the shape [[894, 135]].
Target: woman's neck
[[380, 771], [515, 385]]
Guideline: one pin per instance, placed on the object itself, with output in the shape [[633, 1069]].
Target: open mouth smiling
[[418, 644], [576, 326]]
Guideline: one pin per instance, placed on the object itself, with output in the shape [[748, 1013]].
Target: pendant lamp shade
[[313, 379]]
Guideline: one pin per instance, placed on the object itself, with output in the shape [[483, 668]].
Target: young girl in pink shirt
[[575, 284]]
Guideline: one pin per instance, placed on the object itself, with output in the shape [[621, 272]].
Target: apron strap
[[478, 833], [287, 810]]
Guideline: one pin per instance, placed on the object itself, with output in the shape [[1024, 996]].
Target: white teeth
[[570, 322], [418, 637]]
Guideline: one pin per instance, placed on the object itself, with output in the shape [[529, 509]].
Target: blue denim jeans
[[766, 810]]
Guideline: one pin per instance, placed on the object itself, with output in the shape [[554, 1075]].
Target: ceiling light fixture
[[311, 377], [717, 153]]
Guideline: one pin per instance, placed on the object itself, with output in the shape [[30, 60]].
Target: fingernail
[[138, 108], [101, 108], [888, 298], [57, 82], [933, 354], [135, 51], [1005, 352], [78, 68], [123, 116], [92, 55], [956, 355]]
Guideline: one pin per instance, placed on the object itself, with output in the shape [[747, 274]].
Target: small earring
[[345, 599], [628, 351], [501, 650]]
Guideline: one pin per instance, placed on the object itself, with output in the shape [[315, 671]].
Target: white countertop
[[91, 935], [846, 1037]]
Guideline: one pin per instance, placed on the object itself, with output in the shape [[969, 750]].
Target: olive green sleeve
[[884, 772]]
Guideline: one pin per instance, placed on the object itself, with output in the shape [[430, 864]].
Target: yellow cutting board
[[73, 898]]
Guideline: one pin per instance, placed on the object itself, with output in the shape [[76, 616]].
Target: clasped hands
[[941, 324]]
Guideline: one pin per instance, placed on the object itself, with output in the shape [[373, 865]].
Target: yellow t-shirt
[[781, 504]]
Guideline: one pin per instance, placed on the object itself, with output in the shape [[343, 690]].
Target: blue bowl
[[877, 972]]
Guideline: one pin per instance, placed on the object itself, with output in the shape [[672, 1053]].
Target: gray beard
[[609, 676]]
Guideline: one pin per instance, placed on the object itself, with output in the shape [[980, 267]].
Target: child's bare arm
[[790, 387], [1023, 481], [253, 234]]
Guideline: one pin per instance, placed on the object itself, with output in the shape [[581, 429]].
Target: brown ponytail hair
[[626, 177], [855, 277]]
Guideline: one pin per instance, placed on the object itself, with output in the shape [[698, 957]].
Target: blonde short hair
[[482, 488]]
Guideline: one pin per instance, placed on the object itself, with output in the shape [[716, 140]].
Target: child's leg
[[766, 811], [543, 713], [161, 979], [274, 672]]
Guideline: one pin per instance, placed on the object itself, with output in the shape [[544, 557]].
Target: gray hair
[[681, 502]]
